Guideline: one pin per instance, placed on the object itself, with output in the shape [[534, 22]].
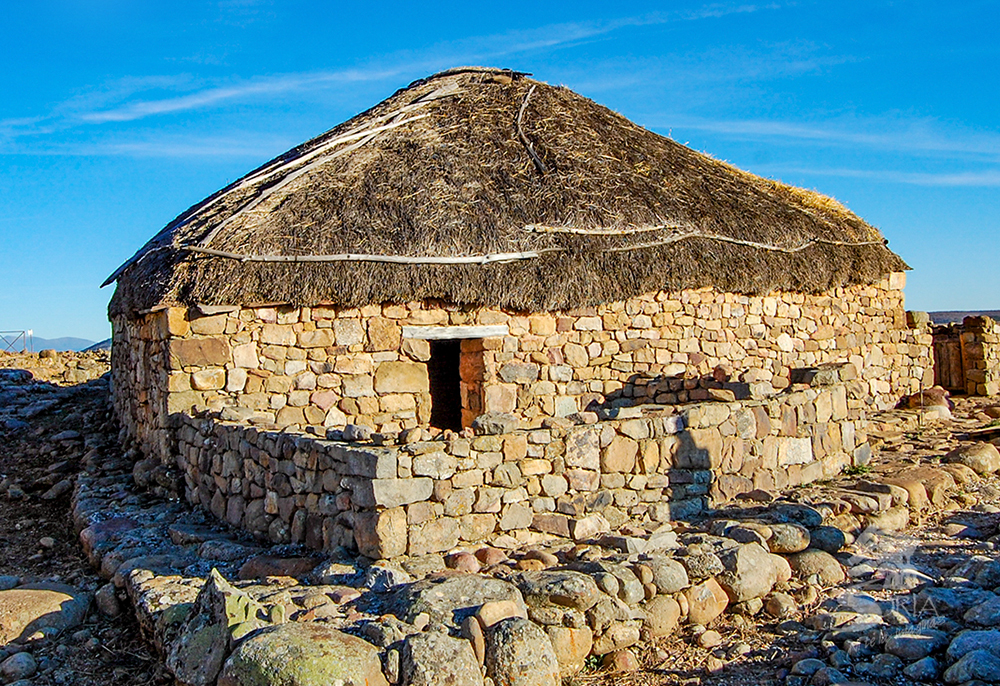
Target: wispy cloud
[[986, 178], [251, 145], [116, 101], [914, 136], [242, 91]]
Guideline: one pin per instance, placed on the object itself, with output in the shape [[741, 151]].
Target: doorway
[[443, 370]]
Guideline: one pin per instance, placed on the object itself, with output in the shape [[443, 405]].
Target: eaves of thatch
[[485, 187]]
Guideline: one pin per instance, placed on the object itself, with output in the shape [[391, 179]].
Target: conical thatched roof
[[537, 199]]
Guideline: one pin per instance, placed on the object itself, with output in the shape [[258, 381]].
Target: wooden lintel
[[439, 333]]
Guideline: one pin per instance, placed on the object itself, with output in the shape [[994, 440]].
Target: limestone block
[[278, 384], [236, 380], [199, 352], [519, 372], [401, 377], [335, 417], [459, 502], [289, 415], [209, 326], [476, 527], [794, 451], [416, 349], [698, 449], [515, 516], [565, 406], [437, 465], [575, 355], [588, 324], [358, 386], [390, 493], [373, 463]]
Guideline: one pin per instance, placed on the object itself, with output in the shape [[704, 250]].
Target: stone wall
[[571, 479], [140, 383], [331, 366], [980, 353]]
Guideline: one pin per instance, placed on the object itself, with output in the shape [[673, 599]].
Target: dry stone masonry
[[570, 479], [331, 366], [967, 356]]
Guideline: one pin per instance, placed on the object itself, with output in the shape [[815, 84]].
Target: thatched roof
[[498, 190]]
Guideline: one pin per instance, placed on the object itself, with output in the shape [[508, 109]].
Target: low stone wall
[[511, 487], [328, 366]]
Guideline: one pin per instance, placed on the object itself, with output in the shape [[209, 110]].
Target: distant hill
[[948, 317], [103, 345], [64, 343]]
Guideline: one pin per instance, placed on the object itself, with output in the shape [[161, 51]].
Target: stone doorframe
[[472, 363]]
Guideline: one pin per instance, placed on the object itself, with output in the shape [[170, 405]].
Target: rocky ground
[[887, 575], [47, 427]]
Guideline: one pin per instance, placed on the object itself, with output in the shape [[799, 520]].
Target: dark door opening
[[446, 384]]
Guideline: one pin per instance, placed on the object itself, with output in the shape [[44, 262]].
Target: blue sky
[[116, 116]]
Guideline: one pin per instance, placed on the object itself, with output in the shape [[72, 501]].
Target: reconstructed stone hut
[[481, 242]]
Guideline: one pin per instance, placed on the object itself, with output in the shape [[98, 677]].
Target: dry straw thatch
[[497, 190]]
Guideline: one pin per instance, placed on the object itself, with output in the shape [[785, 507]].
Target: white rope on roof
[[500, 258]]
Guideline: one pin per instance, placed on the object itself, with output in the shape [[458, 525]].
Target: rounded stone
[[982, 458], [669, 575], [829, 539], [812, 561], [620, 661], [519, 653], [18, 666], [433, 657], [303, 655], [788, 538], [781, 605], [662, 616]]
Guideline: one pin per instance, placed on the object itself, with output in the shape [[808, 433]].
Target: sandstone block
[[571, 646], [500, 398], [317, 338], [401, 377], [383, 334], [211, 379], [348, 332], [199, 352], [381, 535], [620, 455], [245, 356], [277, 334], [435, 536]]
